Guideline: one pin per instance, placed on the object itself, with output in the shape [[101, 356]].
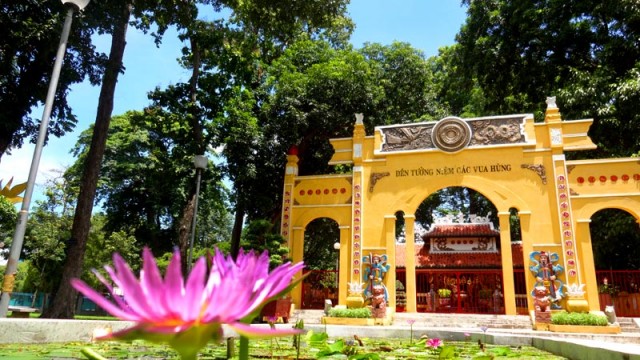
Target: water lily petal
[[101, 301], [152, 284], [194, 290], [131, 289], [174, 284], [115, 297]]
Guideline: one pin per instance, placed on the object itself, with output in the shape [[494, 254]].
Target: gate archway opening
[[321, 259], [615, 240], [458, 265]]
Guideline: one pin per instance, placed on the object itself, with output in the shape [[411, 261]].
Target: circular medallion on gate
[[451, 134]]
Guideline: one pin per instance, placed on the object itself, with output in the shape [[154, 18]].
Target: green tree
[[101, 246], [259, 236], [228, 59], [319, 237], [616, 240], [585, 52], [47, 235], [28, 48], [63, 305], [144, 180], [8, 217]]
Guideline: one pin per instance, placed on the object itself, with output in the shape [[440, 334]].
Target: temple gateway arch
[[512, 161]]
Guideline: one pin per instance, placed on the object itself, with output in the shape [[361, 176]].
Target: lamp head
[[79, 4], [336, 246], [200, 161]]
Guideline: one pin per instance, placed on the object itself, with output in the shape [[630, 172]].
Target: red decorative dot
[[636, 177], [614, 178], [301, 192], [580, 180], [625, 177], [326, 191], [334, 190], [343, 190], [592, 179], [603, 178], [318, 191], [309, 192]]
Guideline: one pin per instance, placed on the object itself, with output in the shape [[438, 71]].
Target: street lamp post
[[200, 162], [18, 236]]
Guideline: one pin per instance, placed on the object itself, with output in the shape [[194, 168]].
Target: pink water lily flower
[[188, 315], [434, 343]]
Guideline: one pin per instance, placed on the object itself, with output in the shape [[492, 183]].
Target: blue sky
[[425, 24]]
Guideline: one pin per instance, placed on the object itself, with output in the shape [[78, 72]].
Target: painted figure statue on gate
[[374, 274], [546, 272]]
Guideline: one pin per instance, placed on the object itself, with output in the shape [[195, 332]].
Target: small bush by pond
[[361, 313], [313, 346], [575, 318]]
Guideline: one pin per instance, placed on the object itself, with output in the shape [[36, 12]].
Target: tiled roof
[[424, 259], [460, 230]]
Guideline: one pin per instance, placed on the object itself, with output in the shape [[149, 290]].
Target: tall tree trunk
[[238, 222], [64, 300], [188, 213]]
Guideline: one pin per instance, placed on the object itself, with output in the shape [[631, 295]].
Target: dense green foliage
[[616, 240], [362, 313], [27, 51], [586, 52], [576, 318]]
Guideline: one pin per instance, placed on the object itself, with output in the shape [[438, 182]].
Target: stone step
[[436, 320], [468, 321], [628, 325]]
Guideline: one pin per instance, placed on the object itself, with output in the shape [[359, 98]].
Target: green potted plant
[[444, 297], [444, 293]]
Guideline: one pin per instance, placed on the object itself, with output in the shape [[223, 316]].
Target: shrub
[[362, 313], [575, 318]]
